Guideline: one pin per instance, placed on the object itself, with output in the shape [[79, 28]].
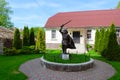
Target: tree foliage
[[32, 37], [118, 6], [16, 40], [40, 41], [97, 34], [108, 45], [112, 51], [5, 10], [26, 36]]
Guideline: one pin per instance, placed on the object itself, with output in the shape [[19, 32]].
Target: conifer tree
[[105, 41], [16, 40], [112, 51], [32, 37], [96, 40], [26, 36], [40, 41], [101, 42]]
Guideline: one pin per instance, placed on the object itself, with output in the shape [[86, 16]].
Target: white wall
[[49, 36]]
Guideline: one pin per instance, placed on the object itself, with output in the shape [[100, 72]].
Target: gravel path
[[34, 71]]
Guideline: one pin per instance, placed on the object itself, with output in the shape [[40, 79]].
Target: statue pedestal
[[65, 56]]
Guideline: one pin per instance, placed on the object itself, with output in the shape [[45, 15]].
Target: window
[[88, 34], [118, 32], [53, 33]]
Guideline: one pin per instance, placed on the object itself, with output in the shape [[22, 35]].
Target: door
[[76, 36]]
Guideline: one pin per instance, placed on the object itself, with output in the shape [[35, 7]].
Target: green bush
[[97, 36], [108, 46], [32, 47], [40, 41], [26, 36], [16, 40], [22, 51], [10, 52], [32, 37]]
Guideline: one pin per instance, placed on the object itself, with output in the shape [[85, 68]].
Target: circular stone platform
[[34, 71], [67, 67]]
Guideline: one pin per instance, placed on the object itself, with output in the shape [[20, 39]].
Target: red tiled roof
[[95, 18]]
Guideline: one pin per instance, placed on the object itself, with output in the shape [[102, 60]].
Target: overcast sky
[[36, 12]]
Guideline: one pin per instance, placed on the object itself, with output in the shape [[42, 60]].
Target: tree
[[112, 52], [40, 41], [32, 37], [118, 6], [26, 36], [101, 40], [16, 40], [5, 10], [97, 36]]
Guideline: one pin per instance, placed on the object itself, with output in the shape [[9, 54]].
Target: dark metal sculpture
[[67, 41]]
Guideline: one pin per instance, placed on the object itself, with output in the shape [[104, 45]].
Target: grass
[[115, 64], [55, 56], [9, 66]]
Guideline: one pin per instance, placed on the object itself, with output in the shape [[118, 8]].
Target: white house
[[82, 27]]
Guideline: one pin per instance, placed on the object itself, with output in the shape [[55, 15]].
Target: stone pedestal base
[[68, 66], [65, 56]]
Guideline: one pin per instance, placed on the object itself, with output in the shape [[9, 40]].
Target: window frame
[[89, 34], [53, 34]]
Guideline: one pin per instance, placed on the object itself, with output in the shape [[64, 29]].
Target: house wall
[[80, 47], [53, 43]]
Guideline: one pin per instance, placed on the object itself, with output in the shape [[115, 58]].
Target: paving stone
[[35, 71]]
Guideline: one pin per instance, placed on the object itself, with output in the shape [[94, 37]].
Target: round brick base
[[67, 67]]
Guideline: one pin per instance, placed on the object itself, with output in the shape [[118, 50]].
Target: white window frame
[[89, 34], [53, 34]]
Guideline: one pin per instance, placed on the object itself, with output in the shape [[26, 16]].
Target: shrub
[[97, 36], [40, 41], [10, 52], [89, 47], [32, 47], [112, 51], [16, 40], [108, 46], [32, 37], [26, 36], [22, 51]]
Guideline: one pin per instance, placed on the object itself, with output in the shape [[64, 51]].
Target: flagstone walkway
[[34, 71]]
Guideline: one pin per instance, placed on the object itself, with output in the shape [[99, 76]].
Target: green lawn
[[74, 58], [9, 66], [115, 64]]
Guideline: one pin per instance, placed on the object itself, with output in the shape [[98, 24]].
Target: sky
[[34, 13]]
